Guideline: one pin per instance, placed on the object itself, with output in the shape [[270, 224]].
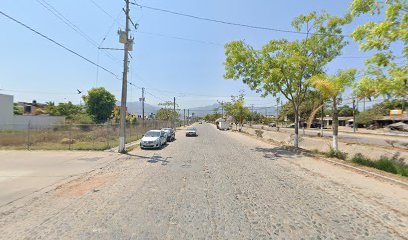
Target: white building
[[9, 121]]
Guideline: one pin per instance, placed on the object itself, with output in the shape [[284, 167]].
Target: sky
[[172, 56]]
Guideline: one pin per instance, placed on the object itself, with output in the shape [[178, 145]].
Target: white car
[[153, 139], [191, 132]]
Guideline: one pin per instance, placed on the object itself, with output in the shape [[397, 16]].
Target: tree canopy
[[99, 104], [387, 34], [283, 66]]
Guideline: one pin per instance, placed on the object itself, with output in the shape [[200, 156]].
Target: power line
[[58, 44], [71, 25], [224, 22]]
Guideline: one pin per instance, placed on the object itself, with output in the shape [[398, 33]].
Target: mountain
[[202, 111], [136, 107]]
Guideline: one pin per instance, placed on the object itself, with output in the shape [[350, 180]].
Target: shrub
[[362, 160], [333, 153], [259, 133], [391, 165], [386, 165]]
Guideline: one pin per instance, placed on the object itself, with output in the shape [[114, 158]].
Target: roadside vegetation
[[296, 69], [391, 165]]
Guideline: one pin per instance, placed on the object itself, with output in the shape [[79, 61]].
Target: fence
[[73, 137]]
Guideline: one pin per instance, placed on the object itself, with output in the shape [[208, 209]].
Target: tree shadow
[[283, 151], [158, 159]]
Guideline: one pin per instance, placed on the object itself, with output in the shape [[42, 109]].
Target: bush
[[384, 164], [362, 160], [259, 133], [333, 153]]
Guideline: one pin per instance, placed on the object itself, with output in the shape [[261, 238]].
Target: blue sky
[[33, 68]]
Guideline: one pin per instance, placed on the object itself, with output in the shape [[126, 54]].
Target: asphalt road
[[219, 185]]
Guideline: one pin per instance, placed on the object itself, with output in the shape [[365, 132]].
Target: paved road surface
[[219, 185]]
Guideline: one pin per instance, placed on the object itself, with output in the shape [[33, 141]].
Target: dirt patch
[[81, 187]]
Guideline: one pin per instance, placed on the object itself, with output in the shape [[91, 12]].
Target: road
[[219, 185]]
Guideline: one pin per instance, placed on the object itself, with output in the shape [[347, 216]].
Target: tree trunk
[[296, 138], [335, 125], [312, 115]]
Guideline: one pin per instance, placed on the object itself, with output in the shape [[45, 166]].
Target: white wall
[[39, 121], [10, 121], [6, 110]]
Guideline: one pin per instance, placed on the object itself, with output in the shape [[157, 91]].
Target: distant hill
[[202, 111], [136, 107]]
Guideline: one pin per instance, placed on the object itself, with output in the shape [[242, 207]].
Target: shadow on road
[[277, 152], [156, 159]]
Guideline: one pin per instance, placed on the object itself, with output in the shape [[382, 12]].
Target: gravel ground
[[219, 185]]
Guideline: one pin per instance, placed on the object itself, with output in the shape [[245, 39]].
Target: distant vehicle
[[272, 124], [191, 132], [315, 125], [200, 122], [153, 139], [222, 125], [171, 135]]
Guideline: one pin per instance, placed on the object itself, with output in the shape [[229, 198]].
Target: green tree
[[17, 109], [345, 111], [387, 69], [99, 104], [67, 109], [283, 66], [51, 109], [236, 109], [332, 87], [212, 117], [166, 114]]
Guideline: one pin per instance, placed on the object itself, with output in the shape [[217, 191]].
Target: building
[[387, 120], [343, 121], [9, 121]]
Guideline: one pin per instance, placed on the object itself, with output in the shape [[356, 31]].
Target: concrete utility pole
[[188, 116], [122, 131], [174, 110], [222, 109], [184, 110], [143, 100]]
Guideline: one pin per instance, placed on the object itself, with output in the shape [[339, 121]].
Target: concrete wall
[[9, 121], [6, 110], [39, 121]]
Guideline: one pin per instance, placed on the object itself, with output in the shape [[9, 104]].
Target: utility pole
[[143, 100], [222, 109], [184, 117], [188, 116], [174, 115], [124, 37]]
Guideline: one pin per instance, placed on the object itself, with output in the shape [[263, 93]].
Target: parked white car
[[153, 139]]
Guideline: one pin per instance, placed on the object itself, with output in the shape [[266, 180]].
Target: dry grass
[[83, 137]]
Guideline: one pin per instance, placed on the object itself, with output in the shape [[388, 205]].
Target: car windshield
[[166, 129], [152, 134]]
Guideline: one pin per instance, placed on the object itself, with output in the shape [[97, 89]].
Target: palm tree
[[331, 87]]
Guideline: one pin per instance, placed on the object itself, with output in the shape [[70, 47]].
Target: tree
[[51, 109], [384, 74], [68, 109], [211, 117], [283, 66], [99, 104], [17, 109], [332, 87], [345, 111], [236, 109], [166, 114]]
